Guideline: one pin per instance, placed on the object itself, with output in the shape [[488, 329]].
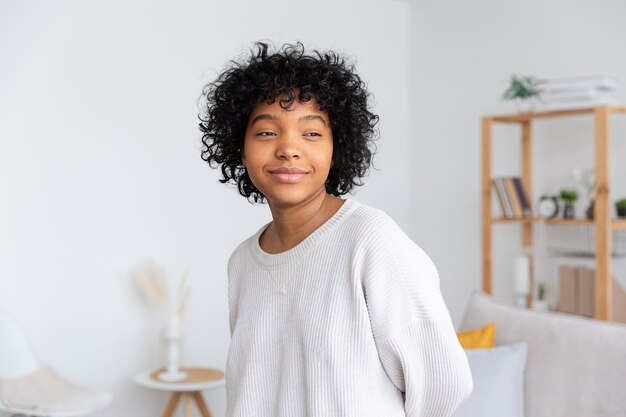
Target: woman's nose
[[288, 147]]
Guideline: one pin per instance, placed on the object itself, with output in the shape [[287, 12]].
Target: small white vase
[[541, 305], [172, 336], [526, 105]]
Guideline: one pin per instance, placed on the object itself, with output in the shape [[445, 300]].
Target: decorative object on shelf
[[541, 304], [548, 206], [569, 196], [588, 180], [524, 91], [155, 289], [579, 92], [620, 206], [521, 269], [590, 212]]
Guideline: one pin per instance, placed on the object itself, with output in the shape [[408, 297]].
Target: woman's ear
[[243, 157]]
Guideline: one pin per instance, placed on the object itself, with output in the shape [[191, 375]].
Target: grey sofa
[[576, 366]]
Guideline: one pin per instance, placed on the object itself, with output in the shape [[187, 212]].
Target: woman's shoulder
[[242, 252], [375, 223], [380, 236]]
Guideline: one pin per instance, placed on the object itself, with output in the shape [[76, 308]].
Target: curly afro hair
[[264, 76]]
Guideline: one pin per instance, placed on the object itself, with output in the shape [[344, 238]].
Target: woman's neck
[[292, 224]]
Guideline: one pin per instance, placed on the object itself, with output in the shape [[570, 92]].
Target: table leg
[[188, 404], [204, 410], [171, 405]]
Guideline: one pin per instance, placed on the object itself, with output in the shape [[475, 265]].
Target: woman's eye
[[265, 133], [312, 134]]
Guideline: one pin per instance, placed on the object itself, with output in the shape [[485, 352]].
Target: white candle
[[522, 274]]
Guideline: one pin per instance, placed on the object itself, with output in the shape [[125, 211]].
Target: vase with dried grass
[[153, 285]]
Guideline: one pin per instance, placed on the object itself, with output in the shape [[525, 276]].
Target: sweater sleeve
[[233, 292], [412, 329]]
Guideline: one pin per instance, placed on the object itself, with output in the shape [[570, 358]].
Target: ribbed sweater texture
[[349, 322]]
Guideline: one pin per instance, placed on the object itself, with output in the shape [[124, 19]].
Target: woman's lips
[[287, 174]]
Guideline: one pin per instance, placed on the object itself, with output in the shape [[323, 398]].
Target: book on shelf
[[585, 303], [568, 289], [505, 208], [501, 194], [522, 195], [512, 197], [577, 293], [511, 192]]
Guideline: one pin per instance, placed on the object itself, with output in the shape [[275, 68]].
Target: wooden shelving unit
[[602, 221], [615, 224]]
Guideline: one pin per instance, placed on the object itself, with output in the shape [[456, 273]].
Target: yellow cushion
[[481, 338]]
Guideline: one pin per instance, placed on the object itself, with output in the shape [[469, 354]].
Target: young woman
[[334, 310]]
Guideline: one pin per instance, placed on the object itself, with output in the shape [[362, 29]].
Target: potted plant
[[569, 197], [541, 304], [620, 206], [524, 91], [541, 290]]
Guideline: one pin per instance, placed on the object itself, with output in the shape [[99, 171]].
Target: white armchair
[[30, 388]]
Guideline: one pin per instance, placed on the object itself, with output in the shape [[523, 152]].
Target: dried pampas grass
[[153, 285], [183, 294]]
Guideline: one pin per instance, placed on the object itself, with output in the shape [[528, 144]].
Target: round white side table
[[190, 389]]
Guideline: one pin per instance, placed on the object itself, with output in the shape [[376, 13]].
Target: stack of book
[[573, 93], [512, 196], [577, 293]]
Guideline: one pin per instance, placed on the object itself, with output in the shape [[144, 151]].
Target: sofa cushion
[[498, 376], [576, 366], [480, 338]]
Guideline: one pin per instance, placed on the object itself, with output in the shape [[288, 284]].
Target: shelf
[[615, 224], [619, 224], [556, 220], [525, 117], [556, 253], [516, 219], [601, 228]]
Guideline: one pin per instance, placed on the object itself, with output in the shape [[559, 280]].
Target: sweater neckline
[[278, 259]]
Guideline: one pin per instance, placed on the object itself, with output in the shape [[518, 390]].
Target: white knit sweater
[[350, 322]]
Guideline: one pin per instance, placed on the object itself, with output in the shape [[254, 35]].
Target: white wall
[[462, 55], [100, 167]]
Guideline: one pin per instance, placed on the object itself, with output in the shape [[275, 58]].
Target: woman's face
[[288, 153]]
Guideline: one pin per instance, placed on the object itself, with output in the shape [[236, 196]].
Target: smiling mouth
[[287, 175]]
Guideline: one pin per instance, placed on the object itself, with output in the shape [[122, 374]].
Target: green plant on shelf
[[522, 88], [542, 288], [568, 195]]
